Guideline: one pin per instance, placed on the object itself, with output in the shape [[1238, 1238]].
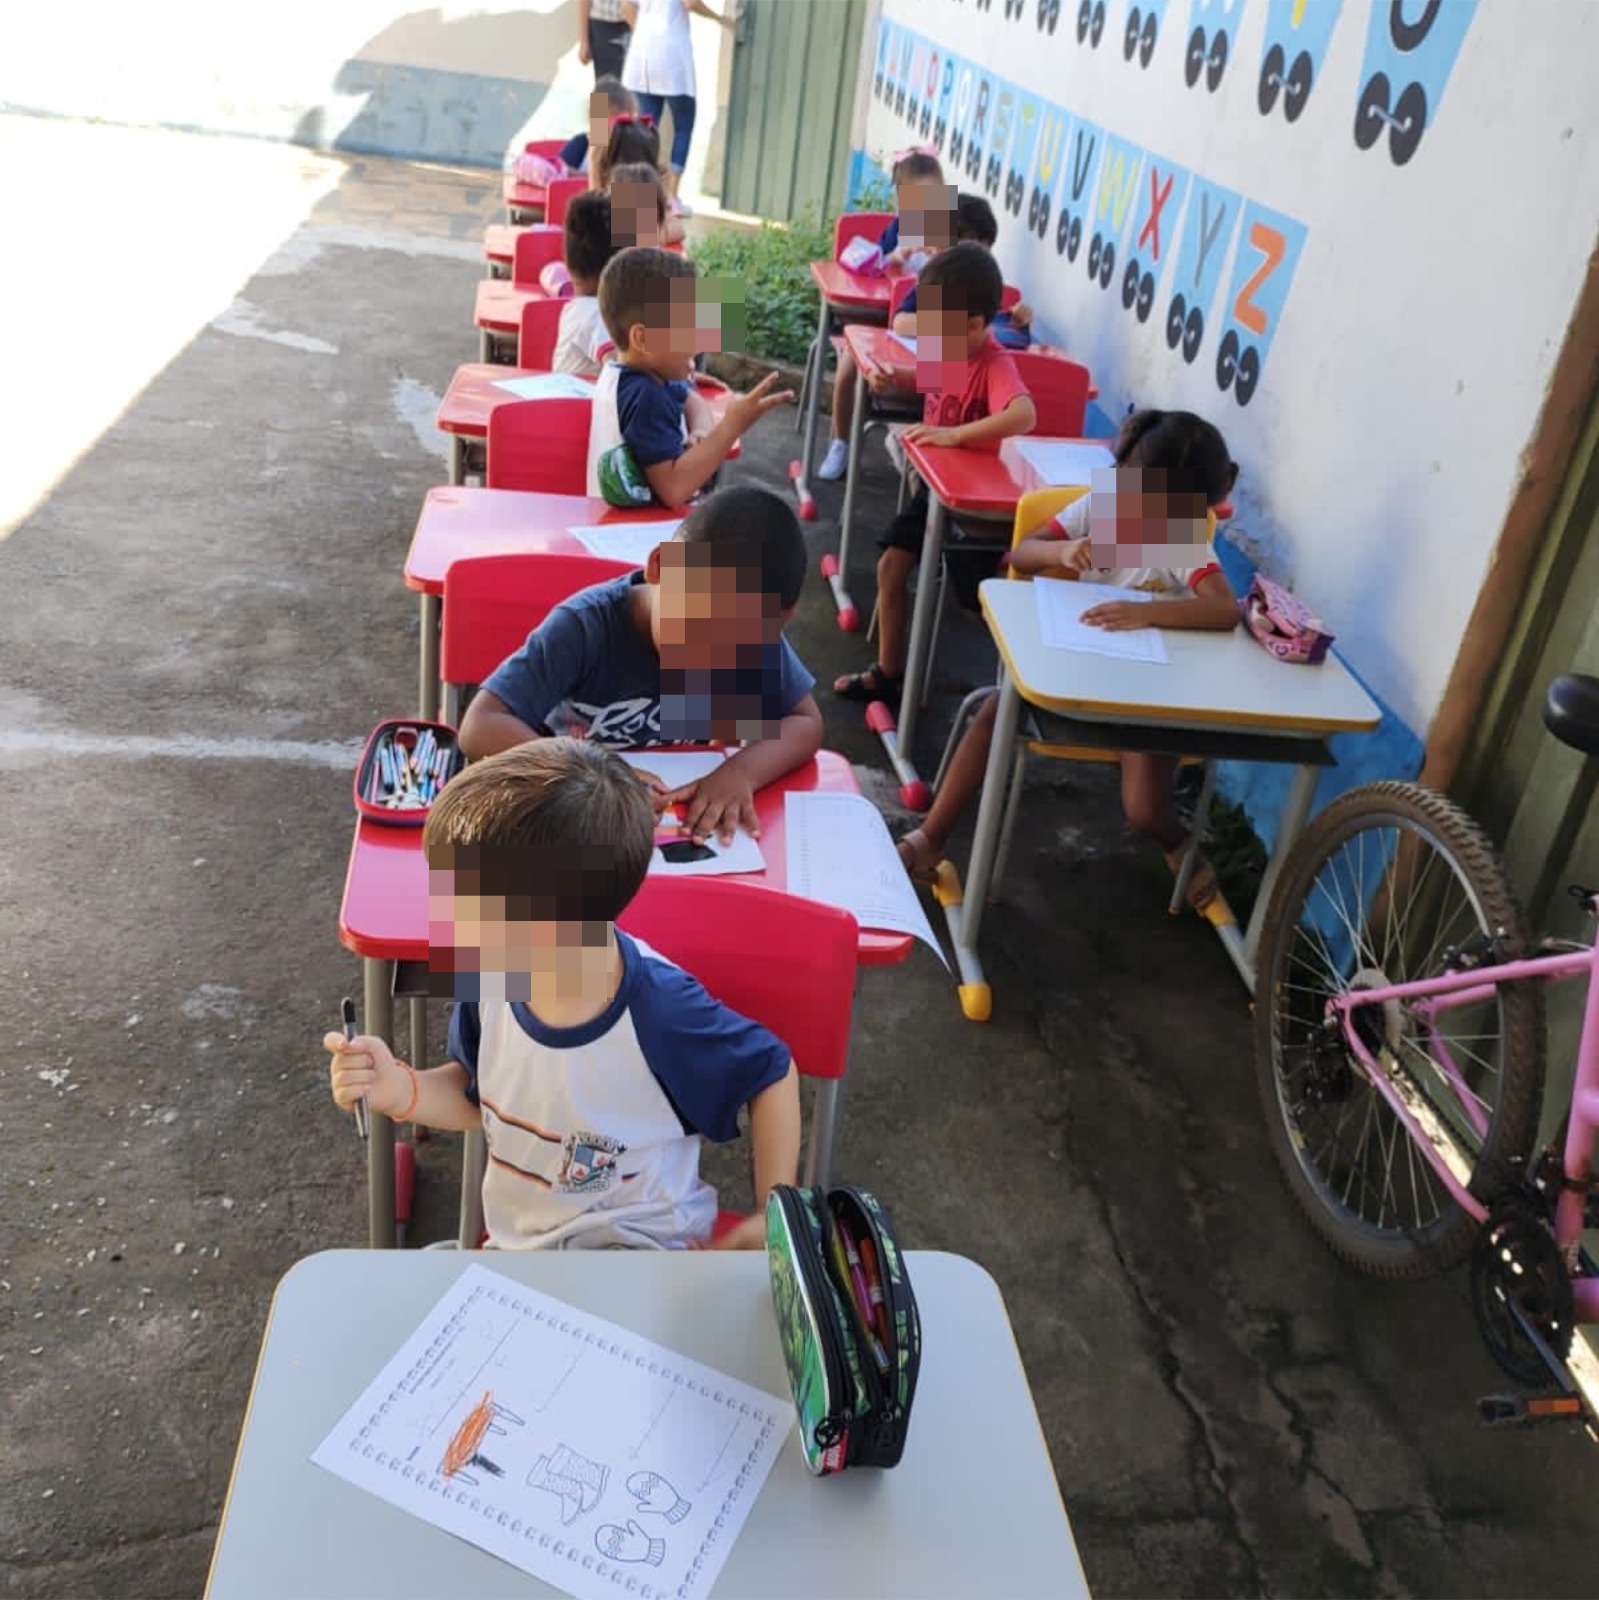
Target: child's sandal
[[864, 687]]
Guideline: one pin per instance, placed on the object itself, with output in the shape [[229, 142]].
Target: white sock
[[834, 462]]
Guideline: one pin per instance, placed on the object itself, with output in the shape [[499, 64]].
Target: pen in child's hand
[[347, 1013]]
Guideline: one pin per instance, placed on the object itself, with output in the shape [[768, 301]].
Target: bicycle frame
[[1427, 997]]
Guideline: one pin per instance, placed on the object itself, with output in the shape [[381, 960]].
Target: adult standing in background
[[660, 67], [602, 33]]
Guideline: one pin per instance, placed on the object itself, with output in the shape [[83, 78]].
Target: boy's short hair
[[561, 830], [967, 279], [974, 221], [642, 173], [586, 243], [621, 101], [755, 531], [916, 164], [636, 288]]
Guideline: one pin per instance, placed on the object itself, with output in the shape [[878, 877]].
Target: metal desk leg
[[836, 569], [427, 695], [963, 914], [898, 740], [825, 1117], [474, 1162], [458, 458], [800, 471], [1296, 813], [377, 1013]]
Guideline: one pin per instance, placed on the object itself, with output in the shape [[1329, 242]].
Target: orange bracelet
[[416, 1091]]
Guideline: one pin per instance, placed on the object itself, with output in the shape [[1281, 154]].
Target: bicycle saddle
[[1571, 711]]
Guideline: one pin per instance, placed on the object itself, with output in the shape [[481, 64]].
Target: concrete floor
[[205, 617]]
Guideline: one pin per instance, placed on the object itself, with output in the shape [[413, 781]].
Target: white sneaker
[[835, 463]]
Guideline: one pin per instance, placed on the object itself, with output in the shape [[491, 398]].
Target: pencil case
[[1283, 624], [847, 1318], [402, 769]]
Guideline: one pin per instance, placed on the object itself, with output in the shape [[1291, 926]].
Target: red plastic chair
[[858, 224], [1060, 392], [559, 196], [536, 247], [785, 962], [550, 149], [542, 445], [1008, 300], [491, 605], [535, 343]]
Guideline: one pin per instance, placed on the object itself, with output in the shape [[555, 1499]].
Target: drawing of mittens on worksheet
[[656, 1497], [631, 1543]]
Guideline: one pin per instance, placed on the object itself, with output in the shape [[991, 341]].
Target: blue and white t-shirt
[[638, 409], [594, 1132], [589, 672]]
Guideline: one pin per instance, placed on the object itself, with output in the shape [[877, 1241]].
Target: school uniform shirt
[[888, 239], [594, 1132], [1072, 523], [991, 382], [660, 55], [582, 341], [589, 673], [637, 409]]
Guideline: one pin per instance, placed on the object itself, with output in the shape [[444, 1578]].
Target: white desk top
[[1220, 681], [971, 1511]]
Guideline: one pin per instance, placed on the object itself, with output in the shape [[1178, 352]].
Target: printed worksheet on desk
[[626, 541], [548, 386], [1061, 605], [1064, 463], [561, 1443]]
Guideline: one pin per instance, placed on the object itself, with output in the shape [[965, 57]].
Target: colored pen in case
[[874, 1287], [863, 1298], [347, 1017]]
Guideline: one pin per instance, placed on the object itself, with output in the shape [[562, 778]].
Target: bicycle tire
[[1513, 1125]]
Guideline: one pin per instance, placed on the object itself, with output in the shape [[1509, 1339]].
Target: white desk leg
[[474, 1162], [825, 1116], [1295, 814], [899, 740], [377, 1014], [427, 696], [800, 471], [963, 913], [836, 570]]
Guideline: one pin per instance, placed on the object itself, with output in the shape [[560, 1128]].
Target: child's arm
[[676, 482], [490, 726], [525, 688], [699, 417], [1211, 607], [725, 800], [365, 1067], [1018, 417], [775, 1135]]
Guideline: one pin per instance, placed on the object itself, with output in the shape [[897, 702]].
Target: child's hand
[[938, 438], [745, 410], [718, 804], [364, 1068], [1075, 556], [1021, 315], [1117, 616], [750, 1234]]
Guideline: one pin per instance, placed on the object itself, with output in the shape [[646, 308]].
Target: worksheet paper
[[839, 851], [1062, 463], [625, 541], [563, 1444], [1060, 625], [675, 768], [548, 386], [906, 339]]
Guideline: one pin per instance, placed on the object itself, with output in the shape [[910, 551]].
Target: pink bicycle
[[1400, 1047]]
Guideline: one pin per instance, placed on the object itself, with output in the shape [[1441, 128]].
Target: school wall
[[1350, 232], [459, 84]]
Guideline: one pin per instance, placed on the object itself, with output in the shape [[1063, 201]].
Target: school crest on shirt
[[588, 1163]]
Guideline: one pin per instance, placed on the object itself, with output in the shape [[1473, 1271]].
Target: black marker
[[347, 1012]]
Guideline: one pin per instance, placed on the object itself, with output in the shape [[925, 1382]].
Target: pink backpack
[[539, 171], [1283, 624]]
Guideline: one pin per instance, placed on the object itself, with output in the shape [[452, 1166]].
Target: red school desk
[[499, 247], [524, 201], [846, 297], [384, 920], [474, 392], [458, 523]]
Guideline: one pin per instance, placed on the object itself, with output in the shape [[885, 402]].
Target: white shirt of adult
[[660, 55]]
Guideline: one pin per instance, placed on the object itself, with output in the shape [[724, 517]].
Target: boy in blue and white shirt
[[690, 650], [594, 1066]]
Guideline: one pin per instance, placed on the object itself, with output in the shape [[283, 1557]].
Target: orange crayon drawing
[[462, 1448]]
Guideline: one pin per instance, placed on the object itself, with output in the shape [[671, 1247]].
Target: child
[[959, 293], [634, 142], [645, 399], [923, 203], [593, 1066], [974, 222], [1171, 466], [639, 208], [609, 99], [581, 341], [691, 649]]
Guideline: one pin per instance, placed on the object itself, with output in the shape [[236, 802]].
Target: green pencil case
[[847, 1318]]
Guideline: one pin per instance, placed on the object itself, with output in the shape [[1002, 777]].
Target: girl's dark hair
[[642, 172], [631, 140], [1189, 450], [917, 164]]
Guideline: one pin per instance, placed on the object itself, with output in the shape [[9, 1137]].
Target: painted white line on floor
[[244, 320], [309, 241], [418, 405], [329, 754]]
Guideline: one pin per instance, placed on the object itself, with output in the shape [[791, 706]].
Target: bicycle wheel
[[1391, 884]]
